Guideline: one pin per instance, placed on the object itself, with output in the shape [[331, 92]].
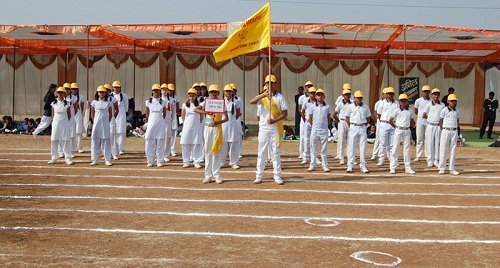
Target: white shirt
[[303, 98], [402, 117], [450, 117], [307, 111], [420, 104], [342, 108], [377, 104], [341, 97], [264, 112], [385, 109], [433, 112], [321, 114], [358, 114]]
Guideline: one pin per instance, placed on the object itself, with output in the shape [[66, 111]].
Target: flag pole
[[269, 89]]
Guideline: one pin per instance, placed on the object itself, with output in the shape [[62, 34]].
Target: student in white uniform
[[170, 105], [191, 140], [121, 118], [376, 144], [176, 108], [80, 100], [60, 136], [47, 110], [213, 134], [343, 129], [240, 104], [450, 117], [401, 119], [432, 113], [72, 122], [319, 115], [274, 110], [422, 123], [306, 104], [101, 112], [339, 100], [357, 116], [231, 129], [302, 134], [156, 111], [384, 113], [112, 123]]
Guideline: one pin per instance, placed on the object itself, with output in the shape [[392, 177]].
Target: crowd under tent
[[369, 57]]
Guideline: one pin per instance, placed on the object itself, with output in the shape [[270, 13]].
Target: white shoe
[[196, 165], [355, 163], [53, 161], [393, 171], [115, 157], [429, 165], [93, 163], [166, 159], [410, 171], [300, 156], [278, 181], [257, 181], [174, 154], [373, 157], [69, 162], [224, 165], [108, 163], [72, 156], [206, 180], [303, 162], [326, 169], [311, 168], [416, 159], [235, 166], [185, 165], [365, 170], [318, 162], [441, 172], [454, 172], [202, 161], [436, 164], [159, 164], [349, 170], [337, 157], [342, 162], [61, 155], [218, 180], [380, 163], [121, 153], [34, 135], [81, 151]]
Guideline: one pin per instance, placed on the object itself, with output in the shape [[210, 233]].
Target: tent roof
[[291, 40]]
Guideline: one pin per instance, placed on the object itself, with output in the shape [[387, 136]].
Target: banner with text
[[409, 86]]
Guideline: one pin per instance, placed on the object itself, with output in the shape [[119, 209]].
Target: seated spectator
[[10, 126], [31, 126], [288, 134], [140, 130], [333, 134], [371, 135], [24, 125]]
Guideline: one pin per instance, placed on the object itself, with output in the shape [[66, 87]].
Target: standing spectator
[[445, 98], [490, 106], [297, 110], [47, 110]]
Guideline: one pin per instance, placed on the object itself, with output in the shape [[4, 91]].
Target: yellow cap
[[426, 88], [192, 90], [156, 87], [452, 97], [358, 94], [389, 90], [195, 85], [320, 90], [311, 90], [346, 86], [228, 87], [74, 85], [202, 84], [67, 85], [346, 91], [233, 85], [164, 85], [101, 89], [214, 87], [61, 89], [308, 83], [107, 86], [271, 78], [117, 84], [403, 96], [384, 90], [171, 87], [436, 90]]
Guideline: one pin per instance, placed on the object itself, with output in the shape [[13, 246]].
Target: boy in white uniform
[[274, 110], [384, 112], [376, 145], [450, 117], [401, 119], [319, 115], [433, 131], [343, 129], [422, 123], [302, 134], [357, 115], [339, 100], [311, 101]]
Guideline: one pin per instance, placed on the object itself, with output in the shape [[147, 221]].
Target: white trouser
[[268, 139], [306, 154], [114, 144], [153, 146], [447, 143], [319, 137], [97, 145], [173, 140], [194, 150], [302, 140], [168, 140], [212, 160], [120, 139], [405, 137], [376, 145], [79, 145], [432, 137], [44, 123], [357, 134], [65, 148], [73, 142], [233, 150], [342, 139], [421, 139], [386, 133]]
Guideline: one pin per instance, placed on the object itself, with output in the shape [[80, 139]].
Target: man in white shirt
[[422, 123]]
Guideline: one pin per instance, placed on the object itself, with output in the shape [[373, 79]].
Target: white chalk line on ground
[[108, 186], [88, 258], [245, 201], [254, 236], [247, 216]]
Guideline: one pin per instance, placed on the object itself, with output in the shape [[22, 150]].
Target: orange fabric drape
[[377, 68], [165, 71], [326, 66], [251, 62], [190, 61], [479, 93], [216, 65], [457, 70], [297, 65], [144, 60], [92, 59], [429, 68], [20, 59], [400, 71], [357, 70], [117, 59], [66, 73], [42, 61]]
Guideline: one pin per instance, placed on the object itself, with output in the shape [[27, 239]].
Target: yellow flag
[[253, 34]]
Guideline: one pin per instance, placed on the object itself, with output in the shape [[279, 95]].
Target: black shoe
[[490, 138], [480, 137]]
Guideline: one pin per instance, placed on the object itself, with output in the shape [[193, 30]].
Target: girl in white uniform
[[231, 129], [174, 101], [80, 100], [121, 118], [191, 140], [101, 112], [60, 136], [112, 123], [71, 99], [170, 105], [156, 111]]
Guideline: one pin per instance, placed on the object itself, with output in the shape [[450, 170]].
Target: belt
[[450, 128], [384, 121], [434, 124], [208, 124], [342, 119], [402, 128], [358, 125]]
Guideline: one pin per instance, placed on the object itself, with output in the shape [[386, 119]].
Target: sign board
[[215, 106], [409, 86]]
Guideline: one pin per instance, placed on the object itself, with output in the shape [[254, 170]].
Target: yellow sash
[[218, 140], [275, 112]]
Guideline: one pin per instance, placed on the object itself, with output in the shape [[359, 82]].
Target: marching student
[[302, 133], [214, 136], [376, 144], [307, 103], [101, 112], [112, 124], [170, 105], [384, 112], [191, 140], [422, 123], [274, 110], [121, 119], [432, 113], [449, 121], [238, 120], [176, 109], [80, 100], [345, 86], [231, 129], [357, 115], [401, 119], [60, 136], [71, 99], [156, 111], [319, 115], [47, 110], [343, 129]]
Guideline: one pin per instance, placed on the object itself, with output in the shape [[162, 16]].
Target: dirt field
[[129, 215]]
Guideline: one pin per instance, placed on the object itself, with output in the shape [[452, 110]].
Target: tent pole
[[134, 69], [404, 46], [388, 73], [88, 56], [14, 87], [244, 87]]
